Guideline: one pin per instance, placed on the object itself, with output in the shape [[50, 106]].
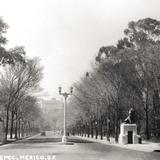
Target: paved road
[[80, 150]]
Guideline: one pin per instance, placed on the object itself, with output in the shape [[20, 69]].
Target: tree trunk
[[19, 128], [101, 129], [117, 124], [16, 127], [108, 130], [85, 131], [88, 130], [91, 129], [96, 130], [7, 122], [22, 130], [116, 132], [12, 122], [147, 121], [82, 130], [147, 124], [27, 129]]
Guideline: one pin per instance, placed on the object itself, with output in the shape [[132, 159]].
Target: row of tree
[[124, 76], [19, 80]]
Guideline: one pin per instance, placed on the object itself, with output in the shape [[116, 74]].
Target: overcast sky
[[67, 34]]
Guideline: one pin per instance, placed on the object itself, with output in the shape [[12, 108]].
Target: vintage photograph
[[79, 80]]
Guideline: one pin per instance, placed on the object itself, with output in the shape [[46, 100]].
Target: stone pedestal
[[64, 139], [1, 132], [128, 134]]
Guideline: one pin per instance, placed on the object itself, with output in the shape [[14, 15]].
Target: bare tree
[[19, 80]]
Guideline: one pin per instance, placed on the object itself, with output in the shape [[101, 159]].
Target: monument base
[[128, 134], [64, 139]]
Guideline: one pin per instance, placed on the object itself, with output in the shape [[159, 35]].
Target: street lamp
[[65, 95]]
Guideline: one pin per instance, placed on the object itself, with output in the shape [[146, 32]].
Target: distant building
[[53, 112]]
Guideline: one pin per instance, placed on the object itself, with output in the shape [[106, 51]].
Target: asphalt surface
[[50, 148]]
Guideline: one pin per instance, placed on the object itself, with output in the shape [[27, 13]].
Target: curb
[[16, 140]]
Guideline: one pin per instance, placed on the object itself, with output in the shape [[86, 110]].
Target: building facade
[[53, 112]]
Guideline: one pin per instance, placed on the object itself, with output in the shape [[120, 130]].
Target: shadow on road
[[157, 150], [78, 140]]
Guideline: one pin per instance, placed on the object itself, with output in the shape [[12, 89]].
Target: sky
[[67, 34]]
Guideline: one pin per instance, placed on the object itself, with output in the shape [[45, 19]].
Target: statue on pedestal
[[128, 130], [131, 117]]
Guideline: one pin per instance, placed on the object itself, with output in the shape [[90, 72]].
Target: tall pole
[[65, 123], [64, 138], [65, 95]]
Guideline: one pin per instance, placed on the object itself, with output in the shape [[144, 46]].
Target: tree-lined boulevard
[[123, 87]]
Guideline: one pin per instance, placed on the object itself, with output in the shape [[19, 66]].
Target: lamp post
[[65, 95]]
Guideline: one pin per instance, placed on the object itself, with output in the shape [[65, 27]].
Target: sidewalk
[[145, 146], [15, 140]]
